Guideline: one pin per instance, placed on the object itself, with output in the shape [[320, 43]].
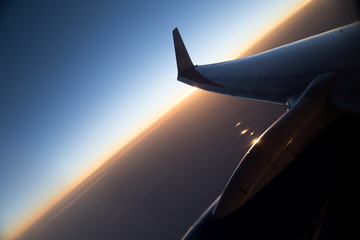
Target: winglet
[[183, 60], [186, 69]]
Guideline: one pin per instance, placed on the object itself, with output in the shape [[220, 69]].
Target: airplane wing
[[318, 78], [282, 74]]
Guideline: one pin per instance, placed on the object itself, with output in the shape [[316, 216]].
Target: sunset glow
[[257, 39], [132, 142], [73, 121]]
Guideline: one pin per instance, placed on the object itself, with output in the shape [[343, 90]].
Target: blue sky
[[79, 79]]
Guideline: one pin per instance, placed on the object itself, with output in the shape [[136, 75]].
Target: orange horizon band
[[162, 118], [26, 224]]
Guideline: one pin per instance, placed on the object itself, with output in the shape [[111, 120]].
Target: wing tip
[[183, 59]]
